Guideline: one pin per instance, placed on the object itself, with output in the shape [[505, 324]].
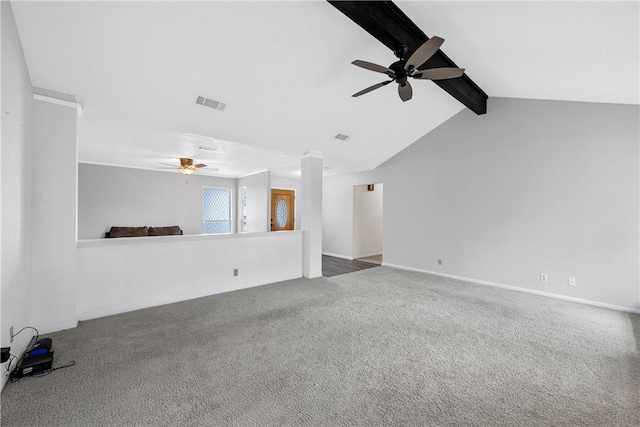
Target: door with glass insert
[[282, 208]]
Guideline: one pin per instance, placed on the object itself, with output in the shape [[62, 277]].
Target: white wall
[[283, 183], [14, 196], [118, 275], [367, 220], [531, 187], [109, 196], [258, 201]]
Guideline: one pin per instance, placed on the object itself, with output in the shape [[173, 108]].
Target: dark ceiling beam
[[387, 23]]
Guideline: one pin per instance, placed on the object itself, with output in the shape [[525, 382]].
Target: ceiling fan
[[405, 68], [186, 166], [388, 24]]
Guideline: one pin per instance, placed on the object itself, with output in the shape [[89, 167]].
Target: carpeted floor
[[376, 347]]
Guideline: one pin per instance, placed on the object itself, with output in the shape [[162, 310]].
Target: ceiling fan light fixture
[[186, 166], [187, 171]]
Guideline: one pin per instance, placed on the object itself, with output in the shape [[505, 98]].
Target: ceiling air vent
[[211, 103], [207, 148], [342, 137]]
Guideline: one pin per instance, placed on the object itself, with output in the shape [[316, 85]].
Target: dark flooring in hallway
[[333, 266]]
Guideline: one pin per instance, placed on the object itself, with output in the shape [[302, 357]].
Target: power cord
[[12, 357], [48, 371], [27, 327]]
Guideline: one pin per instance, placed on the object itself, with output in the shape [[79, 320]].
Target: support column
[[311, 214], [54, 187]]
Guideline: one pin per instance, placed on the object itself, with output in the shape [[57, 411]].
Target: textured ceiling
[[283, 69]]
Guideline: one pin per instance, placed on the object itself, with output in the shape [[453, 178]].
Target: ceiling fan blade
[[373, 67], [424, 52], [439, 73], [370, 88], [200, 165], [169, 164], [405, 91]]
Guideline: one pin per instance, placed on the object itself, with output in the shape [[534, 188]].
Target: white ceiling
[[283, 69]]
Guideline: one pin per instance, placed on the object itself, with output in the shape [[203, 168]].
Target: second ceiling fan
[[405, 68]]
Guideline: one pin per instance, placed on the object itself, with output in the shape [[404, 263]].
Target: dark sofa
[[116, 232]]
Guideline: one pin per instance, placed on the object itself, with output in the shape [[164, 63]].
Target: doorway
[[282, 209], [367, 222]]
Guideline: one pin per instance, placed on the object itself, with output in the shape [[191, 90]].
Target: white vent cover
[[342, 137], [207, 148], [211, 103]]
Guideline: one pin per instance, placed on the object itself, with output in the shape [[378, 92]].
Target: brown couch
[[115, 232]]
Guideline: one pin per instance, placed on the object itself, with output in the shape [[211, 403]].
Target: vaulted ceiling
[[283, 70]]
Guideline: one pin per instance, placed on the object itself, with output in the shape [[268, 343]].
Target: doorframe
[[295, 205], [355, 218]]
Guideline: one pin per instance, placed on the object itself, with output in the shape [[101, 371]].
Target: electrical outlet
[[235, 272], [544, 277], [439, 262], [11, 334], [6, 352], [572, 281]]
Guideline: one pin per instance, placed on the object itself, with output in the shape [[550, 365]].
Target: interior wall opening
[[367, 222]]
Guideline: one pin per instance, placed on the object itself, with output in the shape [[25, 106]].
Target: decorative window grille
[[216, 210], [282, 213]]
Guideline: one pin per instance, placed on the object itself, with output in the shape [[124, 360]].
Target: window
[[216, 210]]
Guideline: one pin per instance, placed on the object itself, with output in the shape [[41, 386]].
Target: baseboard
[[519, 289], [337, 255], [58, 326], [367, 255]]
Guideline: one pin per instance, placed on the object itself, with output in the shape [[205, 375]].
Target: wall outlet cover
[[5, 354], [572, 281]]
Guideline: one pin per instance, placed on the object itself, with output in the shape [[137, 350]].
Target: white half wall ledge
[[144, 240], [518, 289]]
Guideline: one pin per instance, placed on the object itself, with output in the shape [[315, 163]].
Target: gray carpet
[[376, 347]]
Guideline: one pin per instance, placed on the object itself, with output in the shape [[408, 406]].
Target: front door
[[282, 204]]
